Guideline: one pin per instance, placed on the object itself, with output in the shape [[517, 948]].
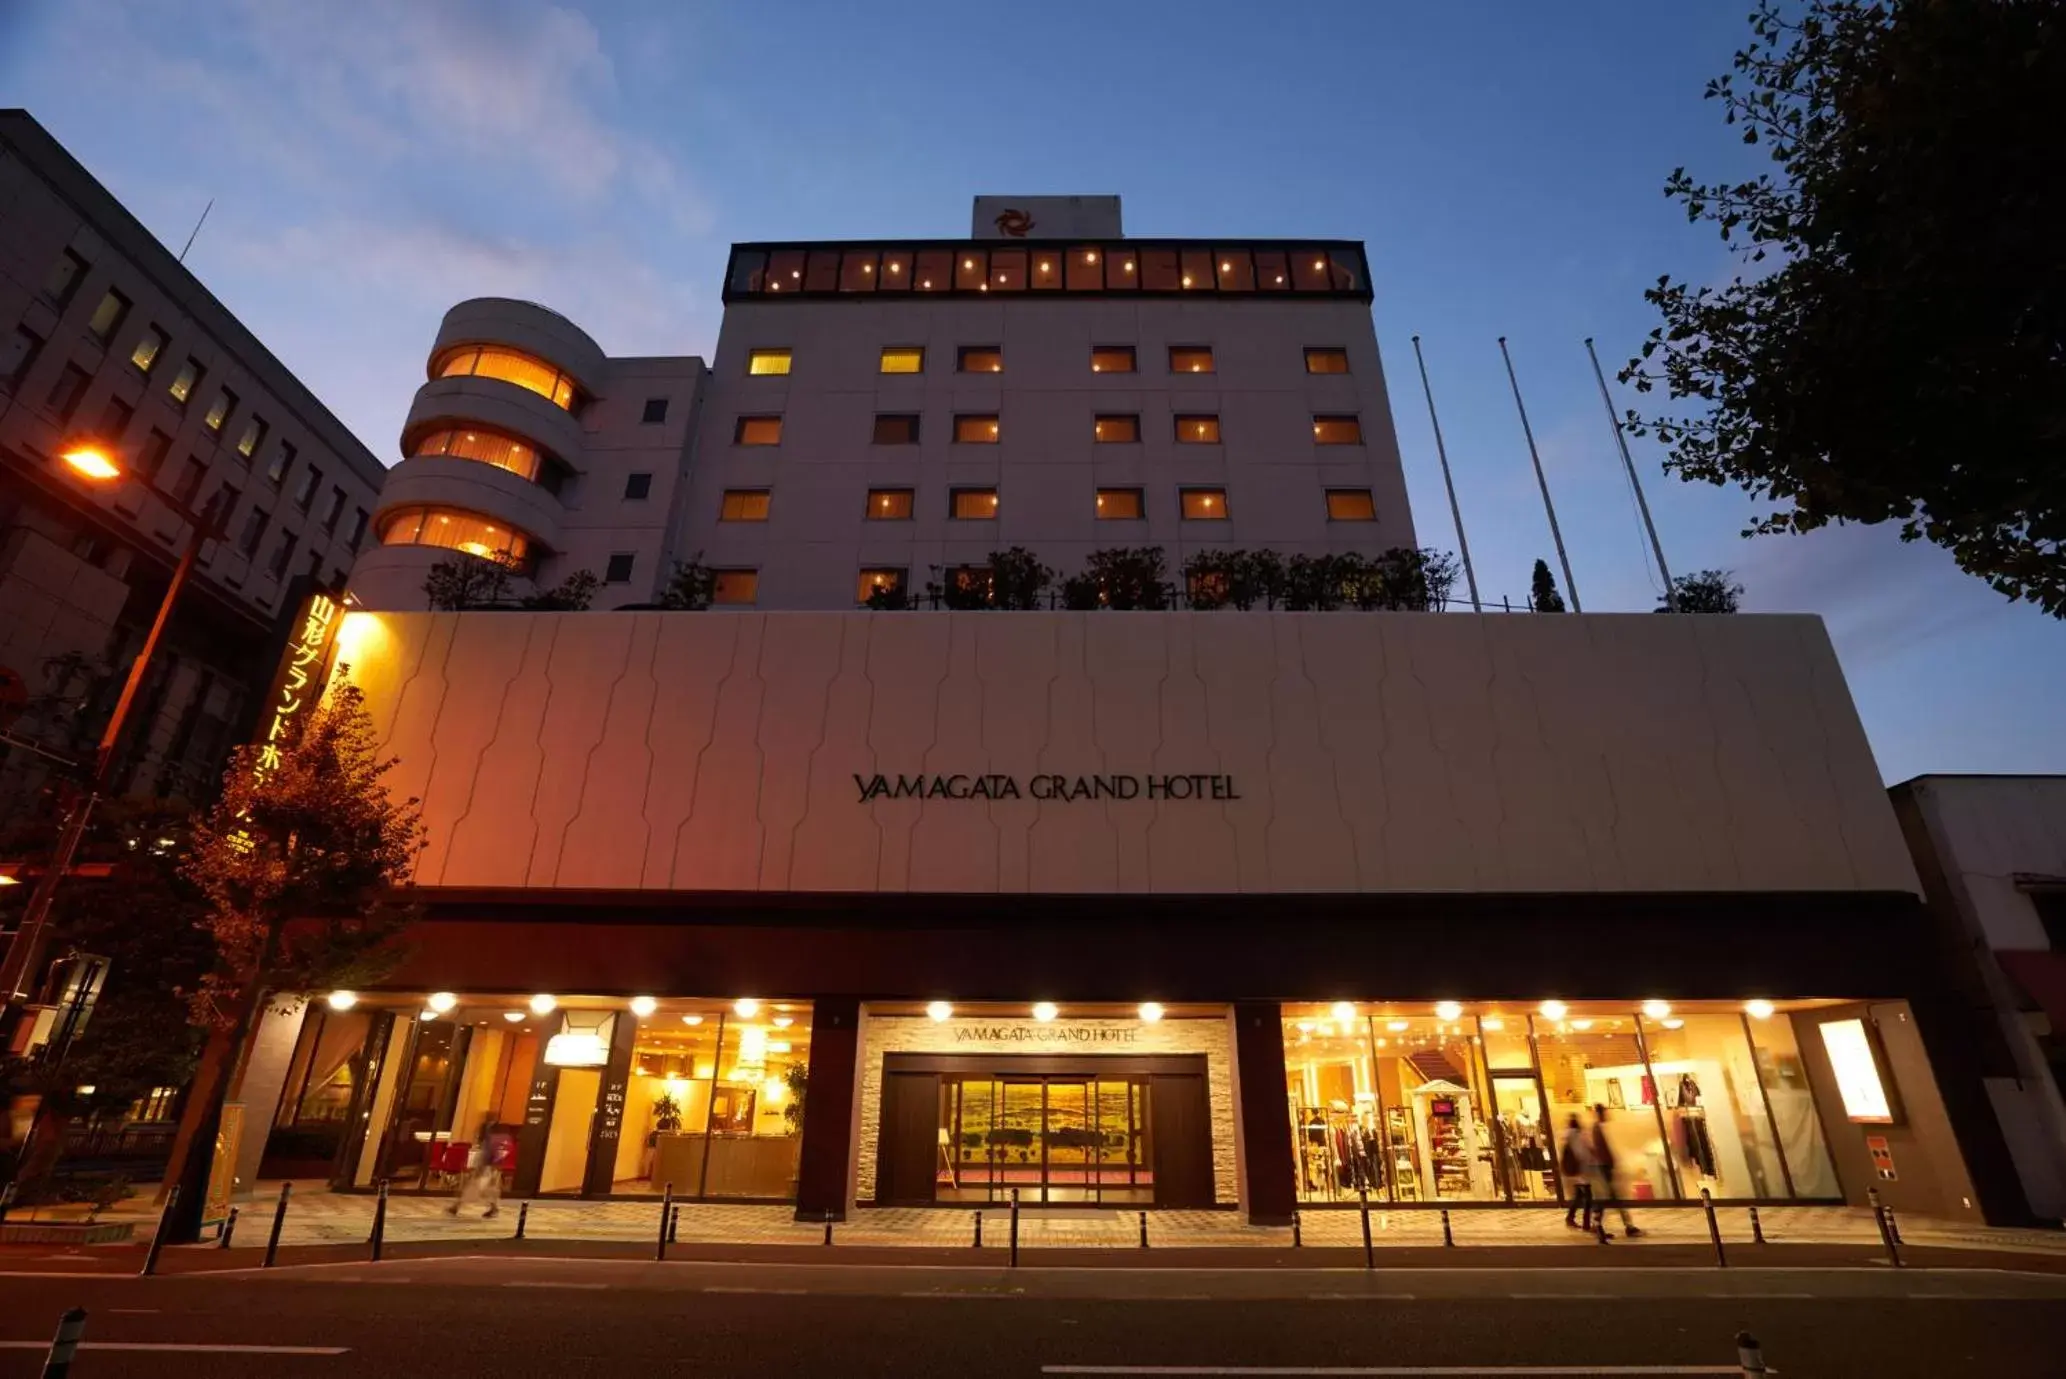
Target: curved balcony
[[440, 481], [391, 577], [524, 326], [509, 408]]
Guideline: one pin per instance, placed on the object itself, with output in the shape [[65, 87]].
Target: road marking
[[175, 1348], [781, 1292], [958, 1297], [1559, 1297], [1759, 1296], [549, 1283], [1362, 1297], [1293, 1371]]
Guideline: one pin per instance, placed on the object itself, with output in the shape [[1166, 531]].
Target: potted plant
[[666, 1117]]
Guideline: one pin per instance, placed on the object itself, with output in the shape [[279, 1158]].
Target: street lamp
[[91, 461]]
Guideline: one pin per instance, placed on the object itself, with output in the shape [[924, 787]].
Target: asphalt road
[[501, 1318]]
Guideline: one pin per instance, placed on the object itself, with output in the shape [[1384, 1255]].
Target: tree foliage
[[466, 581], [1705, 591], [1904, 358], [1542, 590], [692, 586], [571, 595]]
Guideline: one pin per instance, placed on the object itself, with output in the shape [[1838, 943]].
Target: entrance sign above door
[[1067, 789]]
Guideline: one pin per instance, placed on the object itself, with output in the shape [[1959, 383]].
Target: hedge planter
[[66, 1232]]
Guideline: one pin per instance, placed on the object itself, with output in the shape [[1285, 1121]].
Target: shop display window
[[1714, 1110], [1784, 1078], [1593, 1058]]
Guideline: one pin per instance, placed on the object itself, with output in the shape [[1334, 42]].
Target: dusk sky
[[374, 162]]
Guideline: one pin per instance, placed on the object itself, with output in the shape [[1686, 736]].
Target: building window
[[1329, 360], [334, 511], [1190, 359], [282, 554], [69, 391], [981, 359], [1350, 505], [512, 366], [975, 430], [358, 527], [454, 529], [1116, 429], [889, 583], [1112, 359], [889, 505], [225, 403], [64, 277], [189, 481], [734, 586], [283, 459], [637, 487], [896, 428], [489, 447], [1203, 504], [618, 570], [744, 505], [757, 431], [767, 361], [115, 415], [972, 504], [902, 359], [1198, 430], [655, 412], [22, 349], [145, 355], [305, 491], [1119, 505], [108, 316], [151, 458], [1337, 431], [254, 531], [253, 436], [186, 381]]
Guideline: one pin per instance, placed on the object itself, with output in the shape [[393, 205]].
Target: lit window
[[1046, 271], [1160, 271], [225, 403], [857, 271], [767, 361], [1111, 359], [185, 381], [456, 530], [618, 569], [148, 348], [1008, 270], [884, 581], [1119, 504], [253, 436], [489, 447], [1197, 268], [981, 359], [896, 428], [1327, 361], [972, 504], [1190, 359], [1309, 270], [975, 430], [896, 271], [1198, 430], [744, 505], [1350, 505], [655, 412], [971, 271], [889, 505], [1236, 270], [1122, 271], [1204, 504], [108, 316], [902, 359], [1116, 430], [757, 431], [734, 586], [1084, 268], [1337, 431], [933, 270], [1272, 271], [511, 366]]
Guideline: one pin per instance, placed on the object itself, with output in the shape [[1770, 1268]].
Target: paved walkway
[[318, 1217]]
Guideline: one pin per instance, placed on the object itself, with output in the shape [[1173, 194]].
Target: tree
[[1542, 590], [571, 595], [1705, 591], [1905, 360], [1017, 579], [297, 863], [466, 581], [692, 585]]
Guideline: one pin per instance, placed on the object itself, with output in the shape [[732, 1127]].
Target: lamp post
[[92, 462]]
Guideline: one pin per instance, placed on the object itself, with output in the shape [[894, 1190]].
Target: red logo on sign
[[1015, 224]]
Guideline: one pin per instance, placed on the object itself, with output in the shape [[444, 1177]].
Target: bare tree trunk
[[193, 1144]]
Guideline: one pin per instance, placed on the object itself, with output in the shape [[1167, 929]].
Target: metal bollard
[[379, 1240], [674, 1225], [1714, 1229], [1297, 1234], [523, 1218], [1757, 1228], [150, 1256], [1886, 1234], [70, 1327], [1894, 1227], [1448, 1236], [1014, 1228], [229, 1228], [1750, 1356], [272, 1241], [1144, 1230], [979, 1230], [828, 1225], [666, 1206], [1369, 1250], [7, 1192]]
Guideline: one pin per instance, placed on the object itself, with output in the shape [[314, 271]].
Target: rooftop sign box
[[1046, 217]]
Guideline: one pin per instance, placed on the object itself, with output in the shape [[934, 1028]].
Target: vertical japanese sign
[[299, 683]]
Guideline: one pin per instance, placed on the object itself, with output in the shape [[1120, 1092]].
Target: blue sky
[[376, 161]]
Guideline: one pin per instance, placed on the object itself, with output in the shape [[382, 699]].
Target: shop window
[[972, 504], [1339, 430], [1592, 1066], [1203, 504], [975, 430], [1119, 505], [1783, 1077], [744, 505], [1327, 361], [980, 359], [1190, 359], [735, 586], [757, 431], [889, 505], [887, 582], [1116, 430], [1198, 430], [902, 359], [1350, 505], [767, 361], [1715, 1123], [1112, 359], [895, 428]]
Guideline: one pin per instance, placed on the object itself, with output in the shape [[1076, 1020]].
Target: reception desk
[[739, 1165]]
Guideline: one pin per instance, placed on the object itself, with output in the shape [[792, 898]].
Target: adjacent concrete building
[[103, 334]]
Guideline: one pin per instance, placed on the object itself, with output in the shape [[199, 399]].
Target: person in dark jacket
[[1606, 1186]]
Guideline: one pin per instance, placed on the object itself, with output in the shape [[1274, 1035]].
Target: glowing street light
[[92, 462]]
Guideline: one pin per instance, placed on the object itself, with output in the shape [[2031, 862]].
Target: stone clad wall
[[1211, 1036]]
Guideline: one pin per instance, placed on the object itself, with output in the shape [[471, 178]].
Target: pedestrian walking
[[1606, 1186], [483, 1177], [1573, 1160]]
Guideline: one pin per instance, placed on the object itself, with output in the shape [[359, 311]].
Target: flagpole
[[1455, 512], [1671, 599], [1556, 533]]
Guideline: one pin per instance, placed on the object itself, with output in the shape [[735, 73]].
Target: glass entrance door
[[1060, 1139]]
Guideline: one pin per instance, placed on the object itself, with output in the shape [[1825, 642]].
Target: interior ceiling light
[[1045, 1010], [1553, 1010], [542, 1004], [939, 1011], [342, 1000], [442, 1001], [746, 1007], [1656, 1009], [643, 1006], [1151, 1011], [1448, 1010], [1343, 1012], [512, 1015], [1758, 1008]]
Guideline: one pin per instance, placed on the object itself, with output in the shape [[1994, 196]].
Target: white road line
[[1362, 1297], [549, 1283], [779, 1292], [1295, 1371], [1760, 1296], [170, 1347], [1559, 1297]]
